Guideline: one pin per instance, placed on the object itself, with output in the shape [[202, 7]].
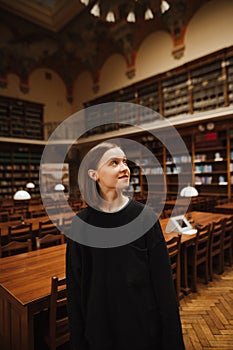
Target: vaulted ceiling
[[64, 36]]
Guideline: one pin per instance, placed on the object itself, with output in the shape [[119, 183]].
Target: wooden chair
[[15, 247], [216, 247], [173, 246], [66, 223], [4, 215], [15, 217], [58, 333], [20, 232], [49, 240], [37, 213], [47, 227], [228, 241], [199, 255]]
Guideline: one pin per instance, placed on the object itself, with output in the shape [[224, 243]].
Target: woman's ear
[[92, 174]]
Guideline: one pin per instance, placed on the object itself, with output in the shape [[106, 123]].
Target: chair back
[[66, 223], [199, 255], [173, 246], [20, 232], [216, 246], [47, 227], [228, 240], [58, 319], [15, 247], [4, 215], [38, 213], [217, 236], [201, 248], [49, 240]]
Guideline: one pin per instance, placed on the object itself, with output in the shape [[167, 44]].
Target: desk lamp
[[59, 187], [189, 192], [30, 185]]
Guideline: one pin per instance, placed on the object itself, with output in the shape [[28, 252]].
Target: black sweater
[[122, 298]]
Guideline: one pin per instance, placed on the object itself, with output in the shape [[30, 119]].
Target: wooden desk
[[203, 218], [25, 283], [179, 201], [226, 208]]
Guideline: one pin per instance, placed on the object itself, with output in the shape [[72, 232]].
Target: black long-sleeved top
[[122, 298]]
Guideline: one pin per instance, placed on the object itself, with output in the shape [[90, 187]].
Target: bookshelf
[[198, 86], [175, 95], [19, 164], [207, 164], [208, 86], [21, 119], [152, 166], [211, 163]]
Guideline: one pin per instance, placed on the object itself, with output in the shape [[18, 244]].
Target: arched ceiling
[[64, 36]]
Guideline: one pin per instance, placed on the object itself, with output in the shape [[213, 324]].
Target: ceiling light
[[95, 11], [164, 6], [131, 17], [110, 17], [148, 14]]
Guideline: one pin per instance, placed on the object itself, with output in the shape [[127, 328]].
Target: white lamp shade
[[164, 6], [131, 17], [95, 11], [189, 191], [148, 14], [110, 17], [30, 185], [59, 187], [84, 2], [21, 195]]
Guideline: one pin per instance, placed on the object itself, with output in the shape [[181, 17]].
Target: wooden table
[[226, 208], [25, 283], [179, 201], [202, 218]]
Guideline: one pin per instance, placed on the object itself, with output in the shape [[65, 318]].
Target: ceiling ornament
[[131, 10]]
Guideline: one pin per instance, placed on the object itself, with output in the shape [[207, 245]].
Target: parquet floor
[[207, 316]]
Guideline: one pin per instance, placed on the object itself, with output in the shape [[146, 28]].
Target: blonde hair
[[88, 187]]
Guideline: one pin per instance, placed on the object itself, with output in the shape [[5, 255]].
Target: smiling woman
[[121, 297], [103, 175]]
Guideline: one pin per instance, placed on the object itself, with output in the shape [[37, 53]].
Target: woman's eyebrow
[[114, 158]]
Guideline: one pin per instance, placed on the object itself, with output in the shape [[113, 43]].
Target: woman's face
[[112, 171]]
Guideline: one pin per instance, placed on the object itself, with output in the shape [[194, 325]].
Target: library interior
[[156, 77]]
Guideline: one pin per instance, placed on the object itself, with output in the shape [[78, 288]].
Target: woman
[[119, 298]]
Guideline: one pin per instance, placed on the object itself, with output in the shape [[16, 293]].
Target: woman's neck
[[110, 204]]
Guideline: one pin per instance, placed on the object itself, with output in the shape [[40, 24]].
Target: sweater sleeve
[[164, 290], [74, 308]]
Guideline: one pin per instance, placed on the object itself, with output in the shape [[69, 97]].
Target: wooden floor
[[207, 316]]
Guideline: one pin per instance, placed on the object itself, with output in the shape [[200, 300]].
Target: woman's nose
[[124, 166]]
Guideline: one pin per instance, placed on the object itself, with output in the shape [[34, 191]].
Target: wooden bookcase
[[207, 164], [21, 119], [19, 164], [200, 85]]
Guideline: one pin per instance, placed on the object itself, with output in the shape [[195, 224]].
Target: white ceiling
[[50, 14]]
